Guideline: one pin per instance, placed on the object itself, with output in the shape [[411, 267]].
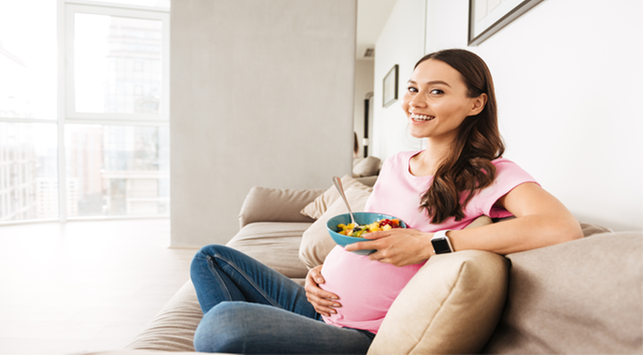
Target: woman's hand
[[397, 246], [324, 302]]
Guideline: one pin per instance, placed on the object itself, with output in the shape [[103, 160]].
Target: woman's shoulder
[[504, 164], [506, 168]]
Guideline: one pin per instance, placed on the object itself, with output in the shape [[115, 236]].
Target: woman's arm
[[541, 220]]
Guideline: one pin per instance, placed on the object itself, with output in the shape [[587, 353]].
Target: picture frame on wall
[[390, 86], [487, 17]]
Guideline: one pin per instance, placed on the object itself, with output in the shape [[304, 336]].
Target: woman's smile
[[416, 117]]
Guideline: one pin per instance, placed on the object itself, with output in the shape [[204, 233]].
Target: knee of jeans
[[204, 254], [221, 331], [211, 250]]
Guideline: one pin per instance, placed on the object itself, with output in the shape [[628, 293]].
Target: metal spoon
[[338, 185]]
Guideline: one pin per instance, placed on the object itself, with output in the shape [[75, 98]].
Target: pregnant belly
[[366, 288]]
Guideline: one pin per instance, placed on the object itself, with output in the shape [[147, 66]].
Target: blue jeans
[[249, 308]]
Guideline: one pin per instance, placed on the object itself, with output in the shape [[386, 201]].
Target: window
[[84, 107], [117, 170], [28, 104], [28, 174], [118, 62], [117, 109]]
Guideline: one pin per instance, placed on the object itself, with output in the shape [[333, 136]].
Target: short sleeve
[[508, 176]]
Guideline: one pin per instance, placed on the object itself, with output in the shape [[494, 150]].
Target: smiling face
[[437, 101]]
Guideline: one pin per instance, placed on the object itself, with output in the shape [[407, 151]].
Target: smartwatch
[[441, 243]]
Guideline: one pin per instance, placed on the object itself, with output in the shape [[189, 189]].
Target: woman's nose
[[417, 101]]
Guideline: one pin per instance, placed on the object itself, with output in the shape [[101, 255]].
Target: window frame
[[64, 114], [98, 8], [66, 94]]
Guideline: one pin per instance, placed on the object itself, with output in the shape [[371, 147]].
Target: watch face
[[441, 245]]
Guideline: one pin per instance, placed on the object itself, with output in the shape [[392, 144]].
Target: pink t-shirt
[[367, 288]]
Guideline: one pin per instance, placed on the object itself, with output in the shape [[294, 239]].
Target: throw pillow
[[368, 166], [316, 243], [451, 306], [317, 208]]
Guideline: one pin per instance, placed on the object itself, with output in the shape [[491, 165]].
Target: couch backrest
[[579, 297]]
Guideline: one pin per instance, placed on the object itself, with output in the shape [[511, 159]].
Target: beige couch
[[578, 297]]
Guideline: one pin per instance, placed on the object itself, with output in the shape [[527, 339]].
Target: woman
[[459, 176]]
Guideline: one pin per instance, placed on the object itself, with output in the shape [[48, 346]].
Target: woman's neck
[[427, 162]]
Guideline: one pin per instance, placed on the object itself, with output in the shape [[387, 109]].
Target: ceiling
[[371, 18]]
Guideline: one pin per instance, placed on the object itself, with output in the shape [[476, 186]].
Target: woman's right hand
[[323, 301]]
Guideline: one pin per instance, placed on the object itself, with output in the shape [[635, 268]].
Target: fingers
[[323, 301], [372, 241], [315, 275], [323, 306], [377, 235], [370, 244]]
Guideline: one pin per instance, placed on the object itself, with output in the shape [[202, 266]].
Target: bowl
[[361, 218]]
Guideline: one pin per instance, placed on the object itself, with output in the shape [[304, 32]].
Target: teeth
[[417, 117]]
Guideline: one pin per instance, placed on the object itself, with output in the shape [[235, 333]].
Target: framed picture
[[390, 86], [487, 17]]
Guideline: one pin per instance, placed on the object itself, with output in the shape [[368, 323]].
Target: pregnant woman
[[459, 176]]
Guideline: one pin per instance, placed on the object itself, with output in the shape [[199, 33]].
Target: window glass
[[28, 59], [117, 170], [28, 172], [117, 64]]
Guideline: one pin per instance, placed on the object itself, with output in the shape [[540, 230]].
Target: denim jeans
[[249, 308]]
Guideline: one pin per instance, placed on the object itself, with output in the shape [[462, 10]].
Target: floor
[[84, 286]]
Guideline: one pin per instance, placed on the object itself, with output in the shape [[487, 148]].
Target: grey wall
[[261, 94]]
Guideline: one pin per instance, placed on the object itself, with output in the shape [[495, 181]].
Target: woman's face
[[436, 101]]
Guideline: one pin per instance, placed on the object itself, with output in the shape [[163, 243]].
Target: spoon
[[338, 185]]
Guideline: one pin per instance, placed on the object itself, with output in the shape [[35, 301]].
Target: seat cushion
[[275, 244], [172, 329]]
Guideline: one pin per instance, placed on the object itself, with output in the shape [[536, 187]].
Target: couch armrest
[[263, 204]]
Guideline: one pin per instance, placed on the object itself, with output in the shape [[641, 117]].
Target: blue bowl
[[361, 218]]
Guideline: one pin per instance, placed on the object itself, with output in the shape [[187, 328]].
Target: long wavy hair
[[468, 167]]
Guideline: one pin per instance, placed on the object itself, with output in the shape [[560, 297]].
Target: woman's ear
[[478, 104]]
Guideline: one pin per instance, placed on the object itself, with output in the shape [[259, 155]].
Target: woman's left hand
[[397, 246]]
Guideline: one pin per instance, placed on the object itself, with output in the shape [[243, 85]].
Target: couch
[[578, 297]]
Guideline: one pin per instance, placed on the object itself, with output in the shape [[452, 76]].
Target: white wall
[[262, 94], [401, 42], [568, 78]]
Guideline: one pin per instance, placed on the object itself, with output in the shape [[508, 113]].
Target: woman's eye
[[437, 92], [412, 89]]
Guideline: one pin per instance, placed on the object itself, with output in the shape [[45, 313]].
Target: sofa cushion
[[580, 297], [451, 306], [591, 229], [316, 242], [368, 166], [173, 327], [264, 204], [317, 207], [274, 244]]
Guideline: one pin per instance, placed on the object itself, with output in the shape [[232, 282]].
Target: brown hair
[[468, 167]]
